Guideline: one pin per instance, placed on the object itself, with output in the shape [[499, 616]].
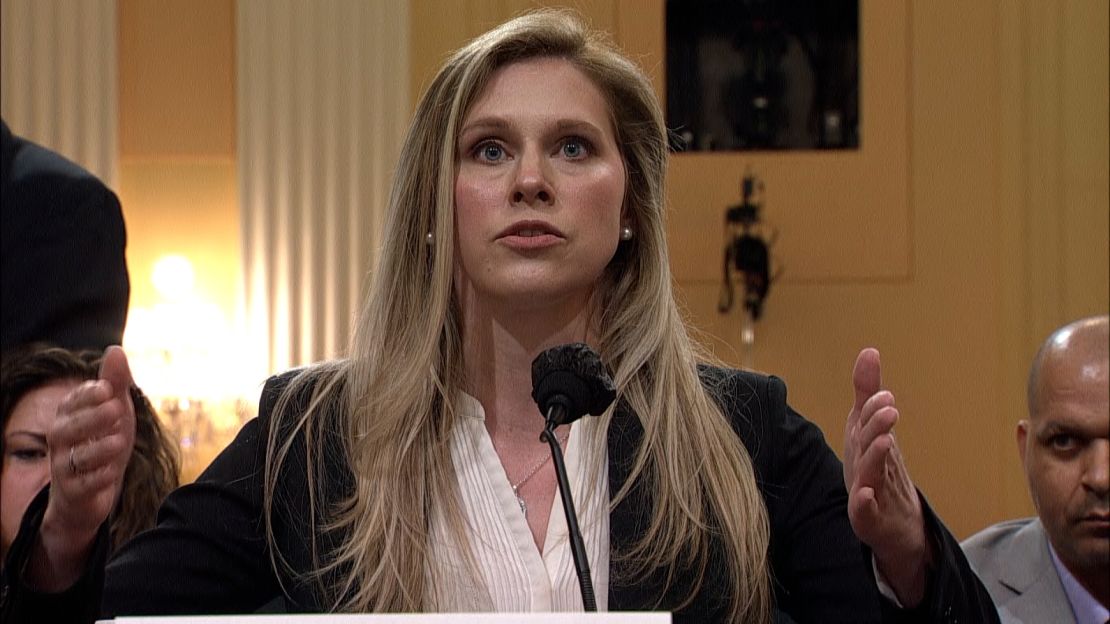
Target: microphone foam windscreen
[[575, 373]]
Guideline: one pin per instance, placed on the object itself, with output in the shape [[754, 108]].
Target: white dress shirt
[[1084, 606], [513, 575]]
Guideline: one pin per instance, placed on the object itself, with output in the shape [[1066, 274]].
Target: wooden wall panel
[[177, 78]]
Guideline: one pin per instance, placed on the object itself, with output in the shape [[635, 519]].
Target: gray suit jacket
[[1013, 561]]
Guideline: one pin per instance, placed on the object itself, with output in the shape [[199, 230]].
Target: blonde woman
[[527, 211]]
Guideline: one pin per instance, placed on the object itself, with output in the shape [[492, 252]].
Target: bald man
[[1056, 567]]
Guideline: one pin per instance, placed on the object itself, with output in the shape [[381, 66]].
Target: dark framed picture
[[763, 74]]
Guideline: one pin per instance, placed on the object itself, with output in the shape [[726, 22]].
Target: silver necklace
[[540, 464]]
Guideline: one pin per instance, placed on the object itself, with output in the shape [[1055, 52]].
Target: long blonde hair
[[395, 396]]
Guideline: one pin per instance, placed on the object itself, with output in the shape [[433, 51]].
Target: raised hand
[[883, 505], [90, 445]]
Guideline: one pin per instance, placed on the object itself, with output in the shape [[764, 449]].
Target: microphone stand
[[577, 546]]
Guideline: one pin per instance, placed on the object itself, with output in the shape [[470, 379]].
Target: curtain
[[322, 96], [59, 76]]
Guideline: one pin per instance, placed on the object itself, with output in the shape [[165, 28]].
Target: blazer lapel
[[664, 587], [1029, 573], [631, 517]]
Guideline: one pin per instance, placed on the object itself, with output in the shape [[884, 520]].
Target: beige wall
[[1004, 206], [177, 178], [1052, 181]]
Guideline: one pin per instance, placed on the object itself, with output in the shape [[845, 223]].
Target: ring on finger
[[72, 461]]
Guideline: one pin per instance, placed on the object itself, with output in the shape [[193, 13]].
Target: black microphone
[[571, 379], [568, 382]]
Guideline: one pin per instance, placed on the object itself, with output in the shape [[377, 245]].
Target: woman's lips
[[530, 241], [528, 235]]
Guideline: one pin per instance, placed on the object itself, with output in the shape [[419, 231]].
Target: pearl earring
[[626, 233], [429, 238]]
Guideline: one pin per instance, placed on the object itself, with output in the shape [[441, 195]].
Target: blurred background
[[252, 142]]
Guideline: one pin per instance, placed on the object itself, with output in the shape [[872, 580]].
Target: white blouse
[[513, 575]]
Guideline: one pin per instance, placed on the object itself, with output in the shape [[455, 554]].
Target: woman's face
[[26, 464], [539, 188]]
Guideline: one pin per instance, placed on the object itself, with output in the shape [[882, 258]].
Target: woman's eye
[[575, 147], [28, 454], [490, 152]]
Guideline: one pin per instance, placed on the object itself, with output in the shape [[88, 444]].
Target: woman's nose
[[533, 181]]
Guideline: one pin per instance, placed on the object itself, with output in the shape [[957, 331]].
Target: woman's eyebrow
[[485, 123], [576, 125], [37, 437], [500, 123]]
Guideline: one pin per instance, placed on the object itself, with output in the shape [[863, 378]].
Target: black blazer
[[63, 275], [208, 553]]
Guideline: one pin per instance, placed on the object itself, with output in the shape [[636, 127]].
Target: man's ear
[[1022, 437]]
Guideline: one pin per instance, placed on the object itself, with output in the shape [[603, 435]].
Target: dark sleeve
[[955, 593], [821, 572], [77, 604], [65, 277], [208, 552]]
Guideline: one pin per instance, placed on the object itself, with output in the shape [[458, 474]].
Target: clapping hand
[[883, 504]]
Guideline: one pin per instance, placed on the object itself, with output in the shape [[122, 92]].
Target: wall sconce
[[189, 361], [747, 259]]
